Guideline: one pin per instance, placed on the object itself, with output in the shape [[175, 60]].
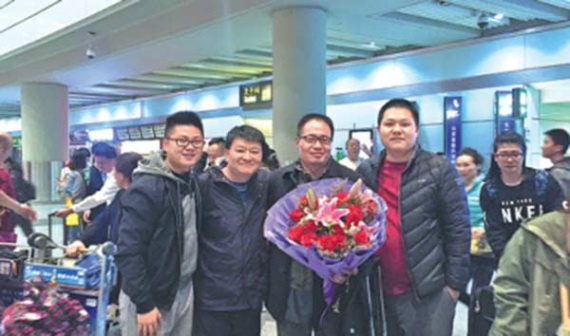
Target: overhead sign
[[504, 111], [256, 94], [452, 113], [143, 132]]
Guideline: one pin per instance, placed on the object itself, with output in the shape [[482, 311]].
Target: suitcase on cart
[[481, 312]]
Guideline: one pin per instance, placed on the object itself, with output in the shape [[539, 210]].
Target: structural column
[[299, 72], [45, 134]]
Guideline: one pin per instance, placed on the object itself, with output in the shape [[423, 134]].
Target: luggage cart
[[68, 279]]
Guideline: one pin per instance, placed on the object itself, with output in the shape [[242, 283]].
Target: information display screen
[[159, 130], [147, 132], [135, 133], [122, 134]]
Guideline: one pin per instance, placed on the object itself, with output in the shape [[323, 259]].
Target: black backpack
[[25, 192]]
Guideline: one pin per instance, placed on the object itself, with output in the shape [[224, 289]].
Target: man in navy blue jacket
[[232, 251]]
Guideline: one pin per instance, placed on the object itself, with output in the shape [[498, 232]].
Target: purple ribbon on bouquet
[[277, 225]]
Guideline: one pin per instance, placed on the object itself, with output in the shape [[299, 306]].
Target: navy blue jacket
[[94, 184], [232, 252], [105, 227]]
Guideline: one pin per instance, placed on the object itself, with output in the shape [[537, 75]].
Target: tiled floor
[[268, 327]]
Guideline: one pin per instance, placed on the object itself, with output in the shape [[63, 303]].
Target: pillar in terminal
[[299, 72], [45, 134]]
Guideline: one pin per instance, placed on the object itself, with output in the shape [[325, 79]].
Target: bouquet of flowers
[[329, 226]]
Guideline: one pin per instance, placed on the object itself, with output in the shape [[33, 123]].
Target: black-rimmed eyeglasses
[[184, 142]]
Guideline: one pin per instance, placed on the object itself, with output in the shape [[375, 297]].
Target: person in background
[[25, 192], [7, 234], [425, 259], [105, 226], [158, 242], [535, 264], [270, 160], [75, 188], [216, 148], [468, 164], [513, 192], [23, 210], [352, 159], [555, 145], [229, 279], [100, 175], [8, 195]]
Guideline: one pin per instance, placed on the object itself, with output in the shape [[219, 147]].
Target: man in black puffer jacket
[[425, 260]]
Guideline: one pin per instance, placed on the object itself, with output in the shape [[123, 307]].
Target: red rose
[[342, 197], [339, 241], [303, 202], [309, 239], [310, 226], [371, 209], [337, 230], [296, 215], [326, 242], [295, 233], [362, 238], [355, 214]]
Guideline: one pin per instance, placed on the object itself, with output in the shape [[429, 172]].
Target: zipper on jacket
[[412, 281]]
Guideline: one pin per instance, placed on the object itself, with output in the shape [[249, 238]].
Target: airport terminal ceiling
[[144, 48]]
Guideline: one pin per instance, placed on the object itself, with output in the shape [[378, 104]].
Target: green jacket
[[527, 288]]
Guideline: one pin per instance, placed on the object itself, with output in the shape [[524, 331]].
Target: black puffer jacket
[[434, 218], [232, 252]]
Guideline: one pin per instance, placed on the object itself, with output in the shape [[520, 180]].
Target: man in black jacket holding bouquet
[[295, 296]]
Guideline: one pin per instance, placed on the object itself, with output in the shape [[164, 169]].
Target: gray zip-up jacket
[[154, 246]]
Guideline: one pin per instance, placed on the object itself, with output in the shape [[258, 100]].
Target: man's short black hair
[[315, 116], [217, 141], [245, 132], [559, 137], [126, 164], [104, 149], [403, 103], [183, 118]]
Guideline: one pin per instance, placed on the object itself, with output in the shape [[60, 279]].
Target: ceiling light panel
[[25, 22]]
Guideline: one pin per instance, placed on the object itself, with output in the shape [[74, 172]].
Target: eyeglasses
[[184, 142], [311, 139], [509, 155]]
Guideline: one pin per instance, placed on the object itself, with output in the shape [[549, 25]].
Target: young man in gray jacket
[[158, 246]]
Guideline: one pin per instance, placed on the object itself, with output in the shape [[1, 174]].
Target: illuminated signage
[[147, 132], [255, 94], [452, 107], [135, 133]]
